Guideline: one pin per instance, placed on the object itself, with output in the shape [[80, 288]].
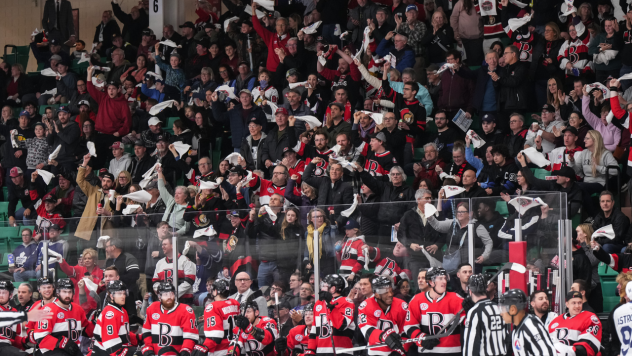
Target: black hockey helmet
[[116, 286], [381, 284], [335, 280], [43, 281], [166, 287], [308, 308], [250, 304], [513, 297], [6, 285], [435, 272], [477, 284], [65, 283], [488, 276], [221, 286]]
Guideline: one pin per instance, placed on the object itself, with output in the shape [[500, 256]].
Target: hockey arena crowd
[[364, 142]]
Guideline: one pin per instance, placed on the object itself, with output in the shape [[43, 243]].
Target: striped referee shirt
[[531, 338], [9, 318], [484, 332]]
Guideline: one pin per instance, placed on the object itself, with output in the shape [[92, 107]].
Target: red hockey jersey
[[69, 322], [340, 318], [31, 325], [429, 316], [252, 347], [175, 328], [387, 265], [351, 256], [372, 321], [265, 188], [297, 339], [111, 332], [219, 324], [584, 329], [13, 334]]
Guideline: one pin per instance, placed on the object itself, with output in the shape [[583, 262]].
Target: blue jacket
[[422, 95], [26, 256], [238, 128], [405, 56], [153, 93], [59, 246]]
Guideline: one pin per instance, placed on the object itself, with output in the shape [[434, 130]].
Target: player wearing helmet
[[381, 318], [297, 339], [60, 335], [11, 337], [530, 337], [429, 312], [111, 333], [46, 289], [255, 333], [332, 310], [484, 332], [218, 318], [169, 328], [577, 332]]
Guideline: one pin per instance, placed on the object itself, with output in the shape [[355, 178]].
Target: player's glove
[[430, 344], [392, 339], [148, 351], [123, 351], [564, 350], [69, 346], [199, 350], [280, 345], [467, 304], [233, 350], [30, 336], [243, 323], [185, 352], [325, 296]]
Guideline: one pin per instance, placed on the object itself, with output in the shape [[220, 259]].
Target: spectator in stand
[[176, 205], [141, 162], [104, 32], [81, 97], [272, 40], [544, 138], [175, 78], [37, 149], [134, 23], [200, 60], [87, 269], [609, 215], [605, 48], [455, 91], [239, 116], [459, 164], [54, 244], [468, 30], [121, 161], [426, 168], [66, 84], [159, 94], [114, 118], [125, 263], [118, 65], [403, 52], [65, 133], [146, 47], [610, 133], [16, 156], [17, 86], [25, 258], [293, 295], [415, 30], [19, 191], [439, 39], [155, 132], [327, 232], [516, 137], [511, 83], [359, 16], [332, 191], [57, 20]]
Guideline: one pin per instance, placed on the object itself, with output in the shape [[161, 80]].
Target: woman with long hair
[[327, 232], [556, 98], [592, 163], [402, 290], [610, 133], [226, 76], [438, 38], [216, 58], [137, 71], [202, 136], [306, 201], [292, 231], [576, 120], [295, 24], [584, 233], [123, 182]]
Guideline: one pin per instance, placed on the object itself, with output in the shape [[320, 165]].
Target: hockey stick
[[451, 324], [330, 322]]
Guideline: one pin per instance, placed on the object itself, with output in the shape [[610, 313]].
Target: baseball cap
[[234, 213], [245, 91], [380, 136], [64, 108], [53, 42], [154, 121], [204, 42], [281, 111], [188, 24], [118, 144], [50, 199], [489, 117], [151, 185], [148, 32], [322, 40], [55, 57], [112, 82], [244, 63], [352, 224], [565, 171], [547, 108], [108, 175], [163, 138], [247, 22], [115, 35], [573, 294], [103, 171], [254, 120], [411, 7], [159, 80], [239, 170], [570, 129], [287, 149], [337, 104], [25, 113], [291, 72], [54, 227], [15, 172], [139, 143], [84, 102]]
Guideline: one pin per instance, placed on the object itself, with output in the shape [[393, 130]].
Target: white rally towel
[[46, 176], [452, 190], [445, 67], [366, 39], [347, 213], [522, 204], [92, 287], [210, 185], [130, 208], [311, 28], [477, 141], [229, 91], [49, 73], [156, 109], [343, 34], [536, 157], [103, 69], [311, 120], [155, 75], [54, 257], [91, 148], [151, 170], [429, 210], [344, 163], [169, 43], [516, 23], [14, 143], [273, 216], [273, 107], [85, 57], [209, 231], [248, 178], [35, 32], [266, 4], [101, 241], [605, 91], [233, 158], [487, 7], [336, 149], [606, 231], [50, 92], [228, 21], [567, 8], [53, 155], [377, 117], [181, 148], [141, 196], [248, 10], [186, 248], [299, 84], [97, 83], [626, 76]]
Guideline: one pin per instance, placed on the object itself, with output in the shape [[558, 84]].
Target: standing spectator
[[333, 14], [37, 149], [168, 33], [404, 53], [54, 244], [610, 215], [511, 83], [359, 16], [121, 161], [134, 23], [426, 168], [125, 263], [439, 39], [58, 22], [141, 162], [332, 191], [16, 156], [175, 78], [25, 258], [176, 205], [415, 30], [516, 137], [114, 118], [64, 133], [455, 90], [605, 48], [238, 118], [104, 33], [468, 30], [610, 133], [318, 221], [272, 40], [544, 138], [81, 97]]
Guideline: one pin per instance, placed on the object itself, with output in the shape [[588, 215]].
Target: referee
[[484, 333], [530, 337]]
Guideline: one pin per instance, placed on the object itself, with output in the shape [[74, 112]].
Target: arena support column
[[316, 264], [518, 254], [165, 12]]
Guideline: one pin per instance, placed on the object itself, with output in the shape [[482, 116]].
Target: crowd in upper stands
[[345, 120]]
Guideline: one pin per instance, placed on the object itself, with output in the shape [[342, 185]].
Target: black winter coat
[[620, 224], [412, 231], [238, 128], [389, 213], [512, 86], [340, 195]]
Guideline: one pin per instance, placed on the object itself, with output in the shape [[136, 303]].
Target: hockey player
[[530, 337], [170, 326], [11, 337], [576, 332], [429, 312], [622, 318], [111, 332], [46, 289], [60, 335], [255, 334], [381, 318], [219, 319], [297, 339], [331, 311], [483, 333]]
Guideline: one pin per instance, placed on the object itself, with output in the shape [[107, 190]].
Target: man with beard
[[64, 133], [11, 337], [256, 333], [296, 341], [426, 168], [540, 304], [117, 339], [219, 316], [266, 188], [60, 335], [445, 136], [319, 149], [381, 318], [177, 320]]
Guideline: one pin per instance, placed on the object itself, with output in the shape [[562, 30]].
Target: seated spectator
[[558, 156], [118, 65], [54, 244], [445, 137], [516, 137], [246, 79], [141, 162], [16, 156], [121, 161], [17, 87], [426, 168], [20, 191], [80, 98], [159, 93], [610, 134], [25, 258], [472, 188], [293, 295], [609, 215], [592, 163], [46, 207], [459, 164], [544, 141], [155, 132], [403, 52], [139, 70]]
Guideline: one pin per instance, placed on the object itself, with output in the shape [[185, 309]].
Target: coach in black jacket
[[332, 191]]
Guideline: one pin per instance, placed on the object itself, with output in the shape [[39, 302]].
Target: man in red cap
[[19, 191], [121, 161]]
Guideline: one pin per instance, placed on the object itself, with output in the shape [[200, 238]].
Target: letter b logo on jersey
[[384, 324], [435, 322], [164, 335], [325, 330], [562, 335], [169, 275], [73, 333]]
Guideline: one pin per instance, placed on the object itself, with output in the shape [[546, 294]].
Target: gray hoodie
[[122, 164]]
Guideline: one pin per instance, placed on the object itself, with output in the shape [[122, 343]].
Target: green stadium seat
[[609, 289], [7, 232], [606, 272], [216, 155], [501, 208], [5, 193], [42, 108], [4, 265], [419, 154], [170, 122], [4, 211], [610, 303], [32, 228], [541, 173], [4, 245]]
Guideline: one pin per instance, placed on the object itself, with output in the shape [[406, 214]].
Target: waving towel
[[156, 109], [46, 176], [536, 157], [347, 213], [606, 231]]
